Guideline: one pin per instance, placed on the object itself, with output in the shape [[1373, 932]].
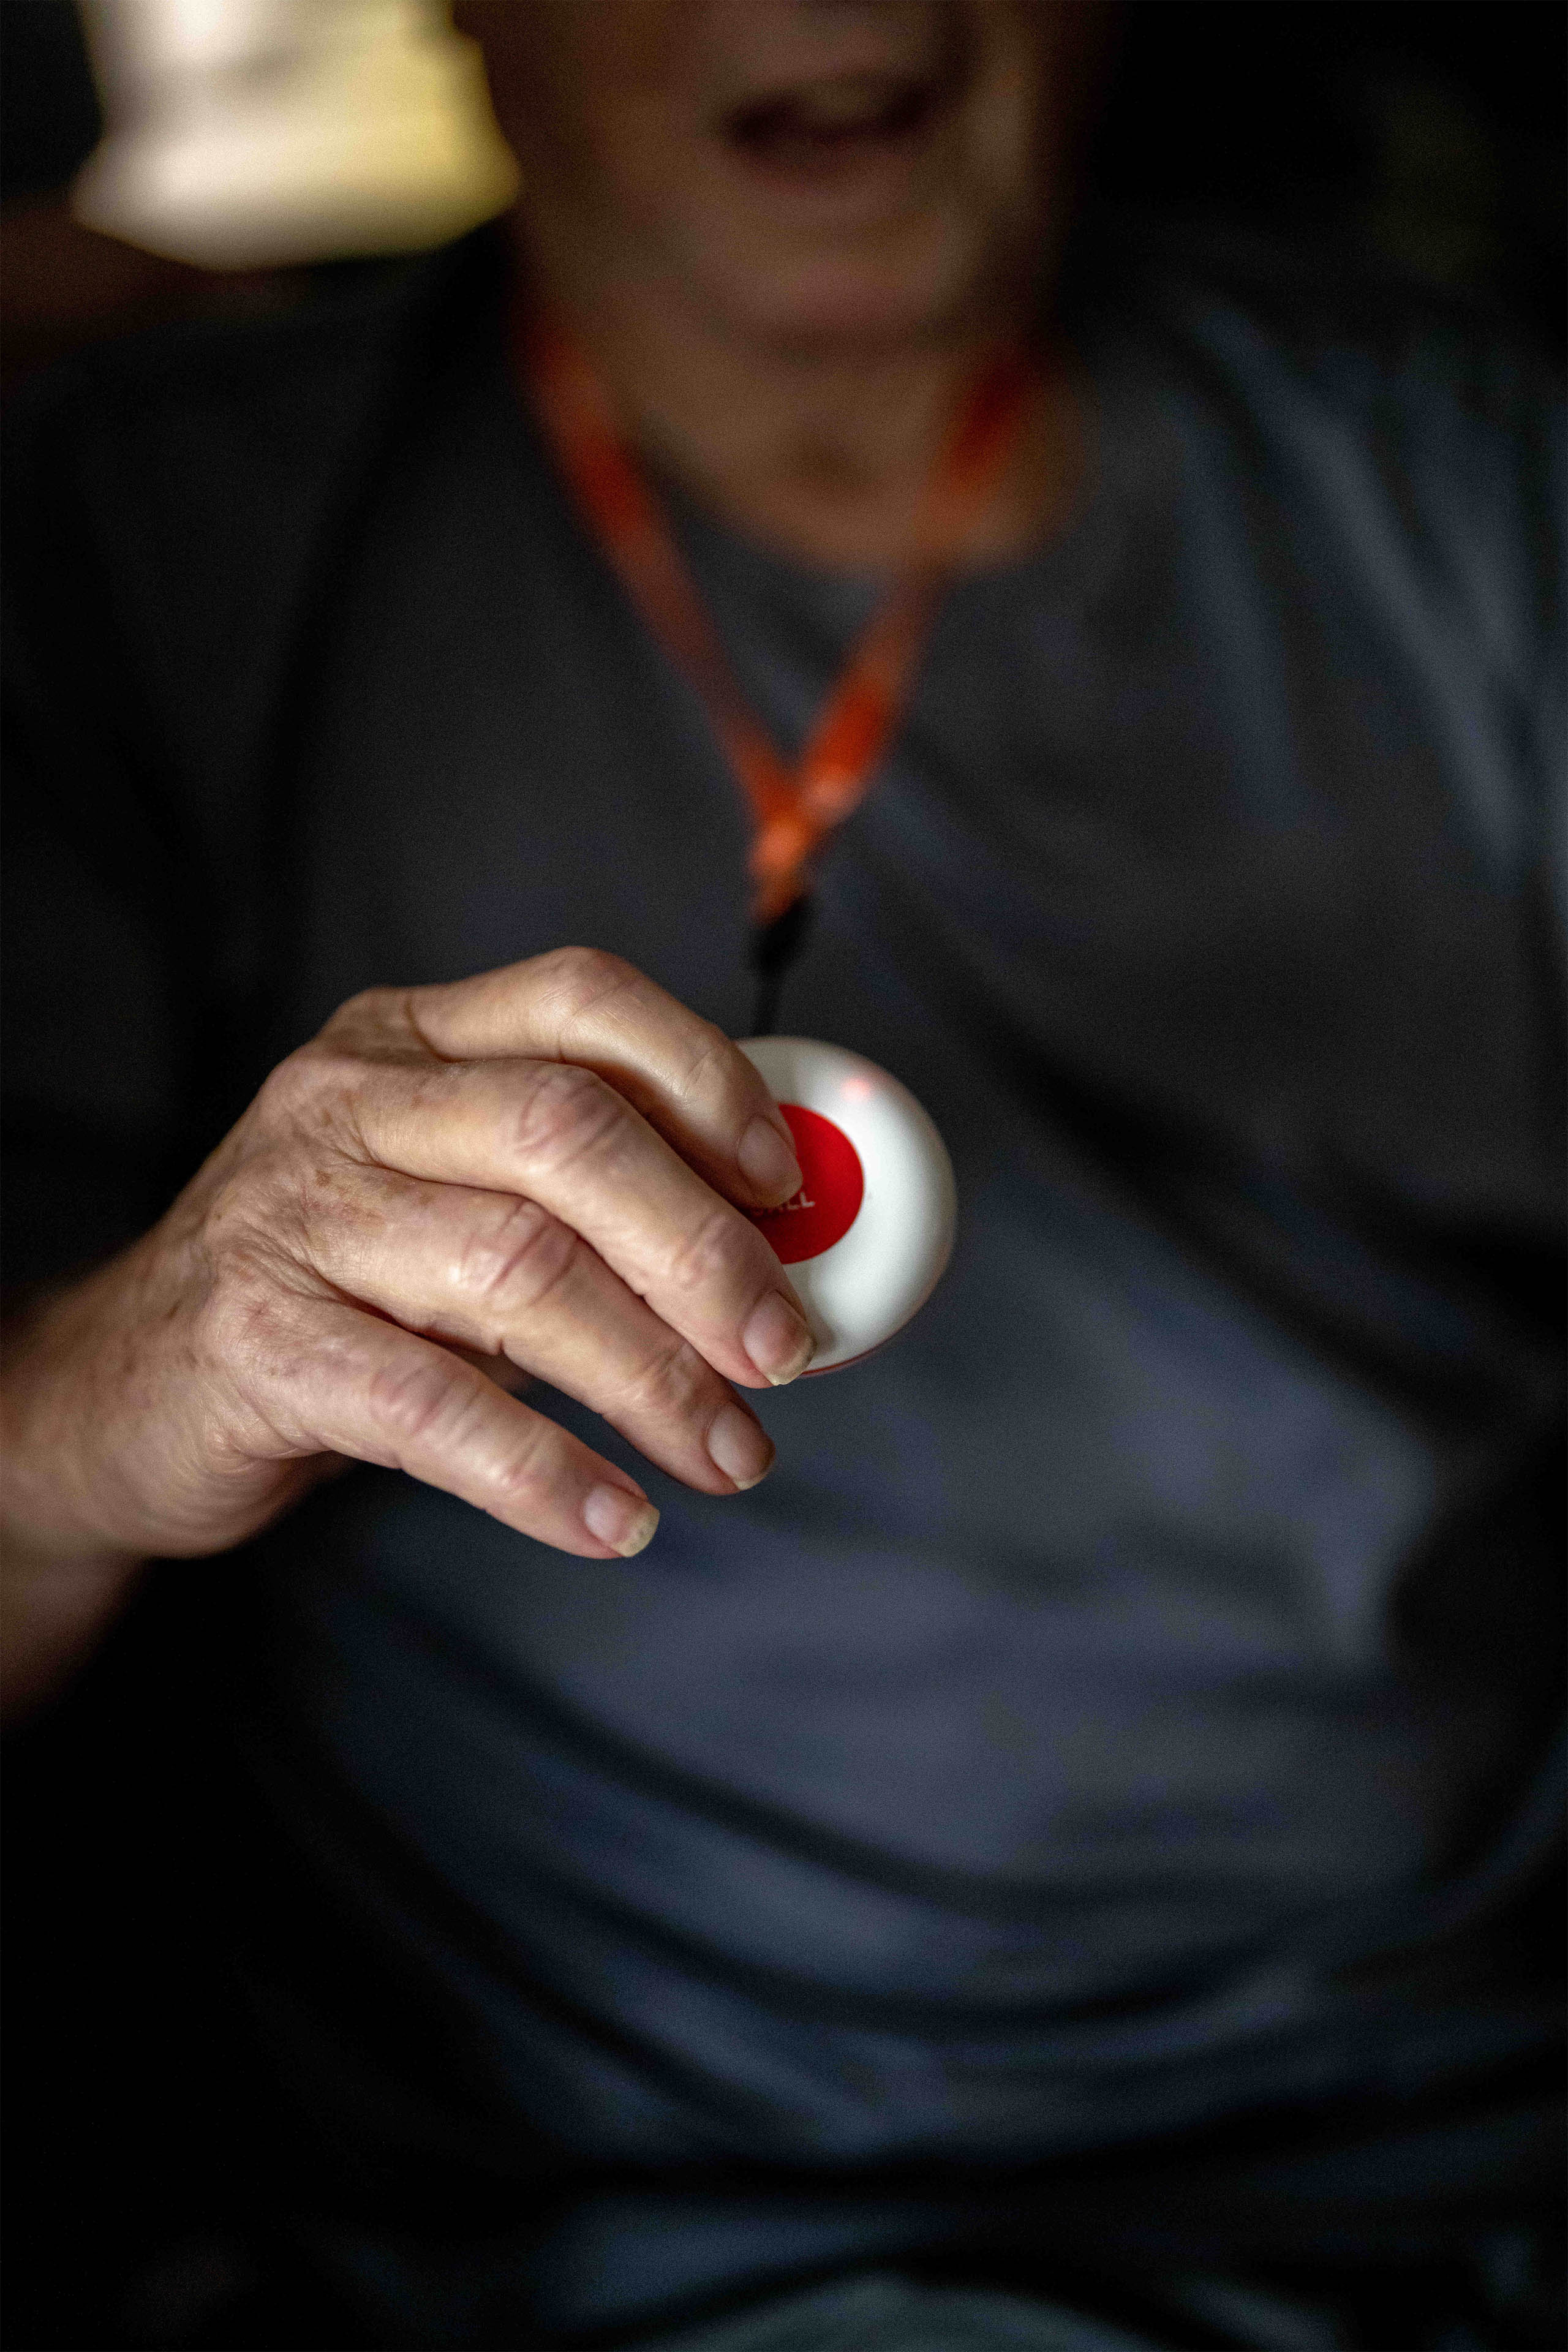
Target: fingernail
[[778, 1340], [766, 1160], [738, 1447], [623, 1521]]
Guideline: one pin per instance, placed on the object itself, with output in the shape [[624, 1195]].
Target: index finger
[[685, 1077]]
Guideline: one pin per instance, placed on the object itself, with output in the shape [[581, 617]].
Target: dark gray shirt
[[1132, 1697]]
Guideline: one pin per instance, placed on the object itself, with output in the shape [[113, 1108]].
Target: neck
[[821, 451]]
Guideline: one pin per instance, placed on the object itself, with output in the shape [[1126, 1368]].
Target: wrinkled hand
[[532, 1171]]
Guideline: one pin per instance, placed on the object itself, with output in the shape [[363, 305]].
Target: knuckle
[[234, 1220], [565, 1112], [671, 1384], [522, 1481], [579, 978], [372, 1010], [716, 1069], [247, 1316], [719, 1253], [417, 1399], [511, 1266], [306, 1083], [282, 1089], [255, 1214]]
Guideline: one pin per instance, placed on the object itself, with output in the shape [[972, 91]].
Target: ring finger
[[493, 1272]]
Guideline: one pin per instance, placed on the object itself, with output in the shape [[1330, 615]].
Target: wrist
[[64, 1526], [64, 1574], [53, 1609]]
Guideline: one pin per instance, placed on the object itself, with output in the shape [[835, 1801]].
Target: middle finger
[[556, 1134], [490, 1271]]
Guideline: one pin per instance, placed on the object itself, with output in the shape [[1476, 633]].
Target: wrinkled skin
[[789, 230], [531, 1172]]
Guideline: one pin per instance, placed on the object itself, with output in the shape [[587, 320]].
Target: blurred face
[[805, 171]]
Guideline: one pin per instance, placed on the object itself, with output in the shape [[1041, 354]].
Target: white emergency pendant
[[868, 1233]]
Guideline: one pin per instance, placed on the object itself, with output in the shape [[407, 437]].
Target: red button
[[831, 1188]]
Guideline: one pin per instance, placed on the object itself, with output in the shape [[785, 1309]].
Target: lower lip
[[800, 162]]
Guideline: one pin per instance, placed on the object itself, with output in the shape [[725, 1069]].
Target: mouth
[[831, 128]]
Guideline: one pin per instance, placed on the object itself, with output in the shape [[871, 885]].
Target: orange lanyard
[[793, 811]]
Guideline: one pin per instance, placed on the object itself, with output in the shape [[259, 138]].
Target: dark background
[[1427, 140]]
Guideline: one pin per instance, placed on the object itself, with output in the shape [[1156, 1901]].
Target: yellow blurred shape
[[251, 134]]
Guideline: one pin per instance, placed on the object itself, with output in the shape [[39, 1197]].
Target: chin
[[926, 282]]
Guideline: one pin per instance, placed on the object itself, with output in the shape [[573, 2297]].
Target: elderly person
[[1039, 1847]]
